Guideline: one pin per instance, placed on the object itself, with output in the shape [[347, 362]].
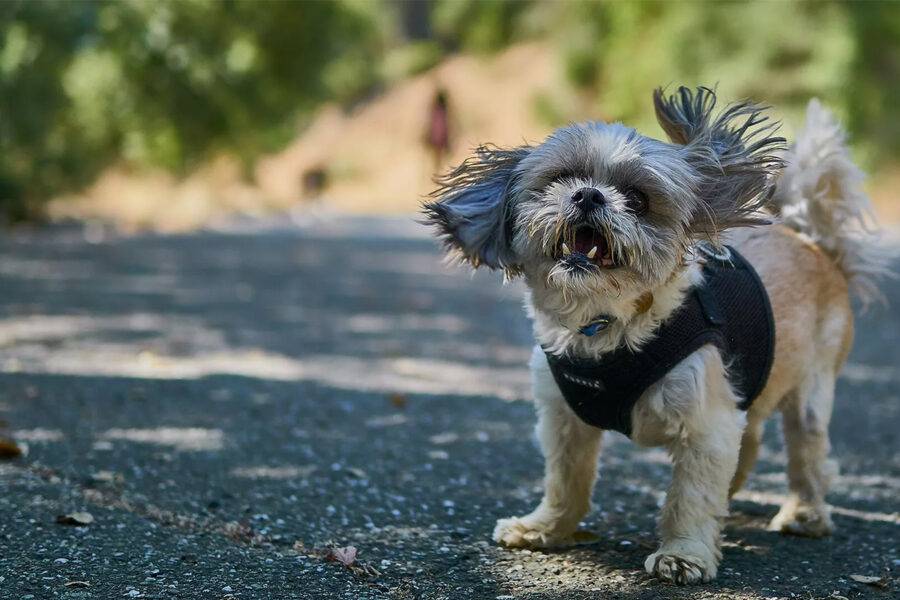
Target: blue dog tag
[[598, 324]]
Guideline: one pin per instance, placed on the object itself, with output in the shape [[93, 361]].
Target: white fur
[[692, 412], [819, 193], [570, 450], [557, 316], [514, 209]]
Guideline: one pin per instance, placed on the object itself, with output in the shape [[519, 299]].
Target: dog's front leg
[[693, 412], [570, 450]]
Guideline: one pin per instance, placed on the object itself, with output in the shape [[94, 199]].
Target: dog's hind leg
[[806, 413], [749, 451], [570, 449]]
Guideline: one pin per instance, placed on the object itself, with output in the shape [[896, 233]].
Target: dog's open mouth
[[588, 245]]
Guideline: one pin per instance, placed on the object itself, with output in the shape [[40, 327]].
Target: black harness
[[731, 310]]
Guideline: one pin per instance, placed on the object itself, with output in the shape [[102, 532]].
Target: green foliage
[[874, 78], [171, 82], [782, 52], [477, 25], [845, 53], [166, 83]]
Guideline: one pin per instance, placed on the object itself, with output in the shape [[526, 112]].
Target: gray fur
[[471, 211], [734, 152], [613, 158], [512, 208]]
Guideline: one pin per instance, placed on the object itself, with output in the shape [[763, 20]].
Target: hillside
[[370, 159]]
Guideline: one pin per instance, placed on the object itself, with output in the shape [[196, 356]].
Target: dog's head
[[598, 206]]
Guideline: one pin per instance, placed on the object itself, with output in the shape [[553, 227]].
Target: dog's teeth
[[592, 252], [566, 250]]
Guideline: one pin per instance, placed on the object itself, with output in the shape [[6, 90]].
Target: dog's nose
[[587, 198]]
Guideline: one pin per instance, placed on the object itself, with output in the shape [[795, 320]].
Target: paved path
[[230, 405]]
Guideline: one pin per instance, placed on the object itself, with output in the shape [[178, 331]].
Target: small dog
[[658, 313]]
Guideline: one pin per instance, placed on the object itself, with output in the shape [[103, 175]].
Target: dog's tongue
[[586, 239]]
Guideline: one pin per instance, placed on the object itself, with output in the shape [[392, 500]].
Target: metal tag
[[598, 324]]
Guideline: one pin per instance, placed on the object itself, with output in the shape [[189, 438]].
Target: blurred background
[[224, 337], [169, 115]]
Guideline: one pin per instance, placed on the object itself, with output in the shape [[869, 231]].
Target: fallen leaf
[[78, 518], [583, 536], [80, 584], [398, 399], [869, 580], [9, 450], [346, 556]]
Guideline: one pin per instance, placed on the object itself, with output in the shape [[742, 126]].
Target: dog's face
[[599, 207]]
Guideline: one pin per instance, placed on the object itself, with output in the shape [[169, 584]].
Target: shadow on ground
[[371, 409]]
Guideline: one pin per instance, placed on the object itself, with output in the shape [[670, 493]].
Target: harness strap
[[730, 309]]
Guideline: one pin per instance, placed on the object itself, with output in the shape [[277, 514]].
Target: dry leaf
[[346, 556], [869, 580], [79, 518], [583, 536], [9, 450]]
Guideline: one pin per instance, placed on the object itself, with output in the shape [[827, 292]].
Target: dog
[[680, 292]]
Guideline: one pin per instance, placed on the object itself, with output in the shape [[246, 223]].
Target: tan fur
[[814, 332], [808, 269], [692, 413], [809, 300]]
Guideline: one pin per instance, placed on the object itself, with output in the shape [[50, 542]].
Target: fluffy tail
[[819, 193]]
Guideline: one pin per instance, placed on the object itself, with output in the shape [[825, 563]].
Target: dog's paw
[[680, 568], [527, 532], [803, 520]]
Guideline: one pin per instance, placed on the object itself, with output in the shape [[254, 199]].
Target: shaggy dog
[[680, 292]]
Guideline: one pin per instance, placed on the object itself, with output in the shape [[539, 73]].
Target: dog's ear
[[471, 208], [735, 153]]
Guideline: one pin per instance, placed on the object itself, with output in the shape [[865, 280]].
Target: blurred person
[[437, 135]]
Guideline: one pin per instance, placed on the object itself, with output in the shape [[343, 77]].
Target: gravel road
[[232, 405]]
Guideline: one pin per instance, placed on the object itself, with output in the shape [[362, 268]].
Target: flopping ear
[[735, 153], [471, 208]]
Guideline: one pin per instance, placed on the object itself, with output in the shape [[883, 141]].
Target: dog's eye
[[636, 201]]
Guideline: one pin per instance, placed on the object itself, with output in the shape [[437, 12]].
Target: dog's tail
[[819, 194]]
